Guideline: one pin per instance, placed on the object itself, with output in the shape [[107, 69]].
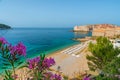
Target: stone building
[[107, 30], [117, 31], [98, 33], [81, 28]]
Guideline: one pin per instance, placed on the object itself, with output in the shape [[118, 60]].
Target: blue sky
[[58, 13]]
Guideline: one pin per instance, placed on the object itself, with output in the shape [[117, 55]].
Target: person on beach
[[58, 68]]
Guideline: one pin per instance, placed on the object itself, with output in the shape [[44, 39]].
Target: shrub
[[11, 56], [39, 66]]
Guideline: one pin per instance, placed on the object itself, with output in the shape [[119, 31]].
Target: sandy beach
[[71, 63]]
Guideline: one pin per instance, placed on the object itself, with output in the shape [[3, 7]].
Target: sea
[[42, 40]]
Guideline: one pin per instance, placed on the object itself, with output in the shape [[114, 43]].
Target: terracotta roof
[[98, 30], [117, 28]]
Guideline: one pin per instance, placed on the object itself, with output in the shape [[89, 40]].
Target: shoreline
[[61, 49], [54, 50], [51, 52], [70, 64]]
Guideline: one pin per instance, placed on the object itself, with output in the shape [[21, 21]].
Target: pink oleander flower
[[33, 63], [19, 49], [48, 62], [48, 75], [51, 76], [15, 76], [87, 78], [12, 49], [3, 41], [57, 77]]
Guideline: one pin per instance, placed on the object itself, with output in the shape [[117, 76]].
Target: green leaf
[[4, 67], [42, 56], [102, 53], [6, 64], [24, 65]]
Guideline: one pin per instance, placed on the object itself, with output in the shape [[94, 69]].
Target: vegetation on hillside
[[104, 59], [4, 26]]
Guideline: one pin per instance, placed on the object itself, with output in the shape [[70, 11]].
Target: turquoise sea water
[[42, 40]]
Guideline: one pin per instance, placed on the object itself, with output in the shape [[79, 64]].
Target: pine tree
[[102, 53], [113, 68]]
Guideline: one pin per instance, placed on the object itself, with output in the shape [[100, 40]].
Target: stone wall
[[107, 30], [81, 28], [98, 33]]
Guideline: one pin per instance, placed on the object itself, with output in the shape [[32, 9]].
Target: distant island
[[107, 30], [4, 26]]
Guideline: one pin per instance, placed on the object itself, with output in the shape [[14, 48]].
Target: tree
[[113, 68], [111, 71], [102, 53]]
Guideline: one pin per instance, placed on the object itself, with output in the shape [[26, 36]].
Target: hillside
[[4, 26]]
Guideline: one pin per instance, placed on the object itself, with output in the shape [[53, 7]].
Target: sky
[[59, 13]]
